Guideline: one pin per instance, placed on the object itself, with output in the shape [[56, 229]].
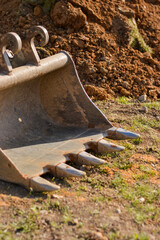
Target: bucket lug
[[10, 40], [28, 54]]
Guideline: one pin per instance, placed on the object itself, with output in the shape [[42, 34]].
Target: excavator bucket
[[46, 118]]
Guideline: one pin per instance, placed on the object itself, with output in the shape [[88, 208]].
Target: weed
[[146, 170], [112, 155], [80, 225], [123, 100], [113, 235], [55, 225], [27, 222], [82, 188], [150, 105], [118, 182], [144, 124], [136, 141], [4, 233], [57, 204], [99, 199], [136, 38], [140, 236], [140, 210], [140, 176], [67, 218], [124, 164], [103, 170], [47, 204], [128, 145]]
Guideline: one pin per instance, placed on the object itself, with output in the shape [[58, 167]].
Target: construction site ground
[[117, 61], [117, 200]]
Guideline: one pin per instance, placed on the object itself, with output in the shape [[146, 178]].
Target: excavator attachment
[[46, 118]]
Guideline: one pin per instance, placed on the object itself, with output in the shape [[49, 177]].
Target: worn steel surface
[[46, 117]]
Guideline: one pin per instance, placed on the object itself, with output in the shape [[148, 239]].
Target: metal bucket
[[46, 117]]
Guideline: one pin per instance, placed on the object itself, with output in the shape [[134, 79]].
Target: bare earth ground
[[118, 200]]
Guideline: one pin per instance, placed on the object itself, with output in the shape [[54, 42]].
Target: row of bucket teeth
[[83, 158]]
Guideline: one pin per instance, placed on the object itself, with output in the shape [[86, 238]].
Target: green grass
[[141, 236], [150, 105], [136, 37], [146, 170], [136, 141], [22, 222], [27, 222], [123, 100], [99, 198], [133, 193], [142, 123]]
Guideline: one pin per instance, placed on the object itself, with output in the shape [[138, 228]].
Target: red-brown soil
[[96, 34]]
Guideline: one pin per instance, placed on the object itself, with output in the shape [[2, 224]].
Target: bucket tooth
[[64, 170], [120, 134], [40, 184], [88, 159], [103, 146]]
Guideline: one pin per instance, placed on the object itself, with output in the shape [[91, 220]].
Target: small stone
[[142, 98], [75, 221], [125, 85], [79, 43], [44, 212], [144, 109], [53, 38], [103, 70], [118, 210], [127, 12], [84, 38], [57, 196], [91, 70], [22, 21], [103, 80], [38, 11], [124, 92], [157, 118], [27, 26], [96, 235], [20, 120], [142, 199], [9, 53], [64, 14]]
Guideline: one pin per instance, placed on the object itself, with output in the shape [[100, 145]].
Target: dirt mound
[[73, 17], [115, 44]]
